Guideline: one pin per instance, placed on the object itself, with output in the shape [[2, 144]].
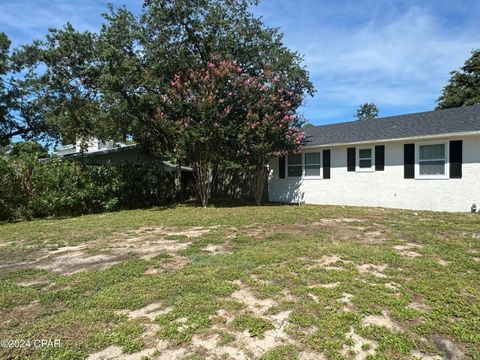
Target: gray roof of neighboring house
[[437, 122]]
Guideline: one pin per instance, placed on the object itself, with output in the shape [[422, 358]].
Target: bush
[[30, 188]]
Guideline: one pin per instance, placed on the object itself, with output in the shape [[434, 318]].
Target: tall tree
[[19, 115], [463, 88], [272, 126], [114, 84], [367, 111]]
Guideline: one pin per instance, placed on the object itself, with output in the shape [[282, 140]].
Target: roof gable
[[437, 122]]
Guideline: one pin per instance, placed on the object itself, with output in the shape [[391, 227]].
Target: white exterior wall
[[386, 188]]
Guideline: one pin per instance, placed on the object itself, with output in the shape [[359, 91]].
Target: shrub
[[30, 188]]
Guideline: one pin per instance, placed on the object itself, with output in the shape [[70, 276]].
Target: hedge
[[30, 189]]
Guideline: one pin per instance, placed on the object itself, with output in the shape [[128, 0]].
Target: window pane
[[295, 171], [312, 158], [312, 170], [432, 152], [365, 163], [432, 167], [294, 159], [365, 153]]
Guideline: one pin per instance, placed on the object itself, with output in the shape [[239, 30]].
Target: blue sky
[[397, 54]]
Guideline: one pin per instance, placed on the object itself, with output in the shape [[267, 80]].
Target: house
[[96, 151], [422, 161]]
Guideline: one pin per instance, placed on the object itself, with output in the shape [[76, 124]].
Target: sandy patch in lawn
[[115, 353], [406, 249], [346, 299], [245, 346], [330, 285], [451, 350], [216, 249], [329, 221], [310, 355], [72, 259], [150, 312], [392, 285], [420, 306], [190, 232], [248, 298], [356, 348], [381, 320], [443, 262], [376, 270], [327, 262], [419, 355]]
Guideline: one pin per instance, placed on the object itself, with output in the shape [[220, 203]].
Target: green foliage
[[463, 88], [367, 111], [63, 188], [255, 325], [28, 148]]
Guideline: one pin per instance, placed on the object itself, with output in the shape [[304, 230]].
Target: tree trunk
[[259, 182], [178, 182], [203, 173]]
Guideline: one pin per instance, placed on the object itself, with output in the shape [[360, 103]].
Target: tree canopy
[[367, 111], [463, 88], [172, 78]]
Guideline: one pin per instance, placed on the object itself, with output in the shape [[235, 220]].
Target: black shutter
[[380, 158], [456, 155], [409, 161], [281, 167], [351, 159], [326, 164]]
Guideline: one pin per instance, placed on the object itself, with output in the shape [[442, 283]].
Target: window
[[312, 164], [365, 159], [295, 165], [432, 160]]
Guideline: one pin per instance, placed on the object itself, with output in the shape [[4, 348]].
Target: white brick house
[[424, 161]]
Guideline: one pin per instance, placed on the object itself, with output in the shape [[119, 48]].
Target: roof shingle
[[437, 122]]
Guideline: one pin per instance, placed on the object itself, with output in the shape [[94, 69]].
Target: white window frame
[[417, 161], [286, 168], [303, 176], [357, 157]]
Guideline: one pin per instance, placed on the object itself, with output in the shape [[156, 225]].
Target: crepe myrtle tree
[[271, 125], [197, 112]]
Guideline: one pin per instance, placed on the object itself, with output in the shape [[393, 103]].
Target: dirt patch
[[326, 262], [451, 350], [331, 285], [357, 349], [406, 250], [218, 249], [392, 285], [443, 262], [248, 298], [376, 270], [421, 356], [115, 353], [150, 312], [381, 320], [346, 299], [310, 355], [210, 345]]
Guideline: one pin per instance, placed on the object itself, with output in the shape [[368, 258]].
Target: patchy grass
[[271, 282]]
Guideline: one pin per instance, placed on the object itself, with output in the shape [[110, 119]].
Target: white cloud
[[394, 54]]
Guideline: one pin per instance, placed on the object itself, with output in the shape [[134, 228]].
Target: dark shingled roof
[[437, 122]]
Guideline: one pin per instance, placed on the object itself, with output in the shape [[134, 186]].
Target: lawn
[[245, 282]]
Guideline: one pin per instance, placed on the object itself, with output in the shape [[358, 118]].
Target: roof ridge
[[399, 116]]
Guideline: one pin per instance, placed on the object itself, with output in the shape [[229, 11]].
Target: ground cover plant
[[243, 282]]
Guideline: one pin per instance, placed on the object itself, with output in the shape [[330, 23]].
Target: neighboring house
[[424, 161], [98, 152]]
